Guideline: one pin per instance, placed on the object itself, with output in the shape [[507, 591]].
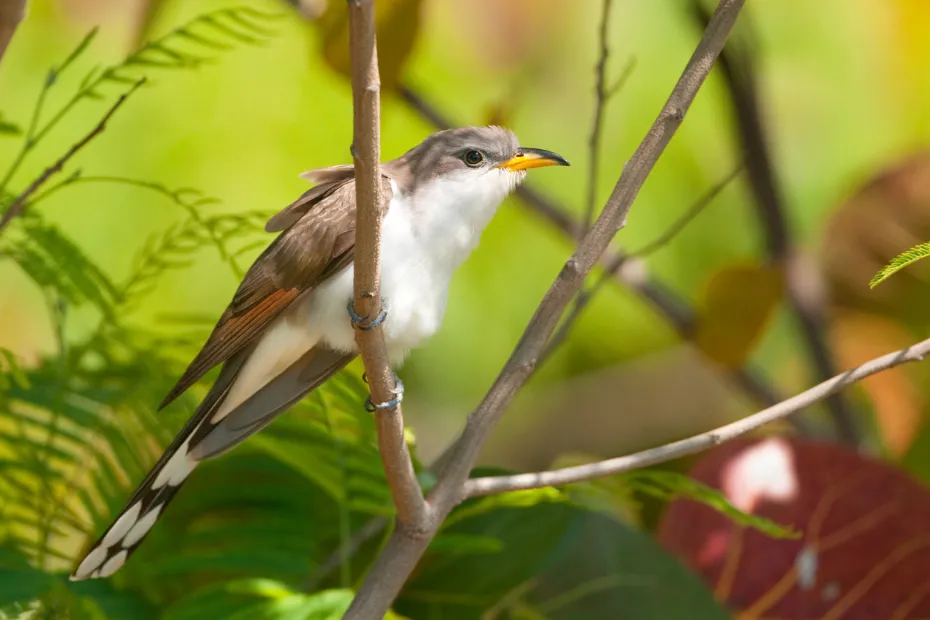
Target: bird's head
[[474, 160]]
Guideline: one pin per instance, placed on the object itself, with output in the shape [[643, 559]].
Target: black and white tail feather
[[201, 438]]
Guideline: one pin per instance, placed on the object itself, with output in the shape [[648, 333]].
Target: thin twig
[[600, 101], [33, 134], [12, 13], [612, 270], [686, 218], [621, 80], [601, 97], [737, 67], [17, 207], [594, 165], [404, 548], [697, 443], [366, 151]]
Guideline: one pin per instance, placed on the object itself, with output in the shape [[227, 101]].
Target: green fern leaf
[[901, 261], [667, 485]]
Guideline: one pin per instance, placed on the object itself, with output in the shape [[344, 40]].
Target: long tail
[[208, 433]]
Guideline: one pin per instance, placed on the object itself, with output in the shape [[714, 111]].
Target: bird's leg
[[398, 392], [363, 322]]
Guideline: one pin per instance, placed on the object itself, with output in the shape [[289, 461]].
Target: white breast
[[424, 238]]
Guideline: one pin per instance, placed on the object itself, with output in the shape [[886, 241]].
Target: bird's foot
[[398, 392], [363, 322]]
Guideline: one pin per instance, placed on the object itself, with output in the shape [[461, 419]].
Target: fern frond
[[219, 30], [11, 371], [57, 264], [668, 485], [899, 262]]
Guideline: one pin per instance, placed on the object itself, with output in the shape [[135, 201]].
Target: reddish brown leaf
[[865, 550], [886, 216]]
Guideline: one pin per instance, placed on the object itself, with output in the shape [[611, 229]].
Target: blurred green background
[[835, 93], [843, 98]]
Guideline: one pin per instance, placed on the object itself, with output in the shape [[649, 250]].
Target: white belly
[[414, 289]]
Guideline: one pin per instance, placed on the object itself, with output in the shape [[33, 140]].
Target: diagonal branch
[[697, 443], [404, 548], [18, 205], [366, 152]]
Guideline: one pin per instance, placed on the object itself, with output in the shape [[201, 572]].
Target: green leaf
[[556, 561], [609, 567], [9, 129], [112, 602], [453, 582], [515, 499], [901, 261], [466, 543], [668, 485], [263, 599], [326, 605], [20, 582]]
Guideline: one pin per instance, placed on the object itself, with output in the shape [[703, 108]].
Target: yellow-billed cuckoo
[[286, 330]]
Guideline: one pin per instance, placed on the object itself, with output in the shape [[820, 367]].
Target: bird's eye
[[473, 158]]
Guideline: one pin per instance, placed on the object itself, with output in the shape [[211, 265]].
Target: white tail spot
[[177, 468], [114, 564], [90, 563], [122, 525], [142, 527]]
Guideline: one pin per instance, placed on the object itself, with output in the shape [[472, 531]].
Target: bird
[[287, 330]]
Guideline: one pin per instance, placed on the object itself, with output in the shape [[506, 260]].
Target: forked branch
[[404, 548]]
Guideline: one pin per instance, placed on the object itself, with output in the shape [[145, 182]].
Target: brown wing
[[329, 180], [318, 242]]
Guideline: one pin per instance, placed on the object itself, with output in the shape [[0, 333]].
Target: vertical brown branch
[[398, 466]]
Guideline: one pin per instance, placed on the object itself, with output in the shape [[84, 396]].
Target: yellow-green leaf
[[396, 25], [899, 262], [734, 311]]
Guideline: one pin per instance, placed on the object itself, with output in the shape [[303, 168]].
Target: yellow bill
[[533, 158]]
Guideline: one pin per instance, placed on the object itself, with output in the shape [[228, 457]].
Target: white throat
[[425, 236], [449, 213]]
